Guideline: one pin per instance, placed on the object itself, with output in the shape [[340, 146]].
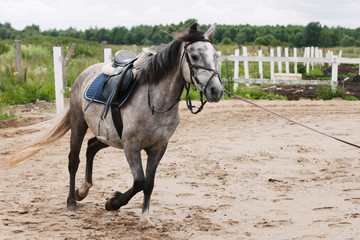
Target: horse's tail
[[58, 128]]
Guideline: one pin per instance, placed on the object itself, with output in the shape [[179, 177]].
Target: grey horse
[[150, 116]]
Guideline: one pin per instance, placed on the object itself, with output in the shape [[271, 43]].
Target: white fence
[[311, 57]]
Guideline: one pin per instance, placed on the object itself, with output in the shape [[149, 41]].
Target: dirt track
[[230, 172]]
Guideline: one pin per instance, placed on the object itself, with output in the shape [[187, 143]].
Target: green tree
[[325, 37], [262, 41], [299, 39], [336, 34], [220, 30], [348, 41], [117, 35], [102, 34], [249, 33], [30, 31], [156, 36], [226, 41], [280, 33], [312, 34]]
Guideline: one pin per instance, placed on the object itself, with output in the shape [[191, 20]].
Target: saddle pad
[[96, 87]]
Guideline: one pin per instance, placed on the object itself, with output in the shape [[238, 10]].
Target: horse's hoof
[[73, 207], [78, 197], [109, 206]]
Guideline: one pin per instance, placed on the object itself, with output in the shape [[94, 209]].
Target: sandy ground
[[230, 172]]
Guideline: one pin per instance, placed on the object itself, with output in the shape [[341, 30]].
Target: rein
[[152, 108], [289, 119]]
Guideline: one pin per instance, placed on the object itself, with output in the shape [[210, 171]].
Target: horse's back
[[84, 79]]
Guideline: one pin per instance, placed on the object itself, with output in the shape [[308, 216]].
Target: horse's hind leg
[[94, 145], [78, 131]]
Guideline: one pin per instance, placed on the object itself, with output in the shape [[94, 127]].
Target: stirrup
[[106, 127]]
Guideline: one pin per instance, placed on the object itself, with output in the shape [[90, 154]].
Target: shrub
[[326, 93], [34, 52], [350, 98], [6, 115], [3, 48], [226, 41], [255, 93]]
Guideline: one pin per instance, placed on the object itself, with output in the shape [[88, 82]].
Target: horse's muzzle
[[214, 90]]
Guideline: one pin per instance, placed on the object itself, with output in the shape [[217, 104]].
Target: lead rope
[[293, 121]]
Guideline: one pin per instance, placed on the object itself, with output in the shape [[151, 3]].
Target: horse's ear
[[210, 33], [193, 28]]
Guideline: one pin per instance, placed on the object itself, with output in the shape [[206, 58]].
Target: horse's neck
[[167, 91]]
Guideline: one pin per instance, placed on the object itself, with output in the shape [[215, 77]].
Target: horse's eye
[[194, 57]]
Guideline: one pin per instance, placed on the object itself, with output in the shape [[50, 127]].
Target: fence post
[[334, 74], [321, 55], [307, 55], [312, 55], [246, 64], [279, 62], [260, 65], [107, 55], [236, 68], [60, 44], [69, 54], [295, 63], [287, 63], [104, 45], [272, 64], [317, 54], [134, 49], [58, 74], [218, 64], [18, 67]]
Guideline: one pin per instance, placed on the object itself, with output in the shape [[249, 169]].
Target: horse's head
[[199, 64]]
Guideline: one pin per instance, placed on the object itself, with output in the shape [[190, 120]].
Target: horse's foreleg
[[133, 157], [94, 145], [154, 157]]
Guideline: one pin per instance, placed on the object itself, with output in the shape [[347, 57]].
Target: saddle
[[114, 89]]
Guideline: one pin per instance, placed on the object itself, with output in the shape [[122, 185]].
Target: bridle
[[195, 80]]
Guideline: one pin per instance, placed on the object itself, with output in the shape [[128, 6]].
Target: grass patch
[[255, 93], [5, 115], [252, 92], [326, 93], [37, 82]]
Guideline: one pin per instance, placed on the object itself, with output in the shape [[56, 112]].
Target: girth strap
[[116, 116]]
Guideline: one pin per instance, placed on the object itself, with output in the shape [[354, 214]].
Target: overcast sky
[[83, 14]]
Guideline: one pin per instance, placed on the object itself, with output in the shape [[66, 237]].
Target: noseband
[[194, 79]]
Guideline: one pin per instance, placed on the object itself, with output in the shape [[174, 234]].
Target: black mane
[[167, 57]]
